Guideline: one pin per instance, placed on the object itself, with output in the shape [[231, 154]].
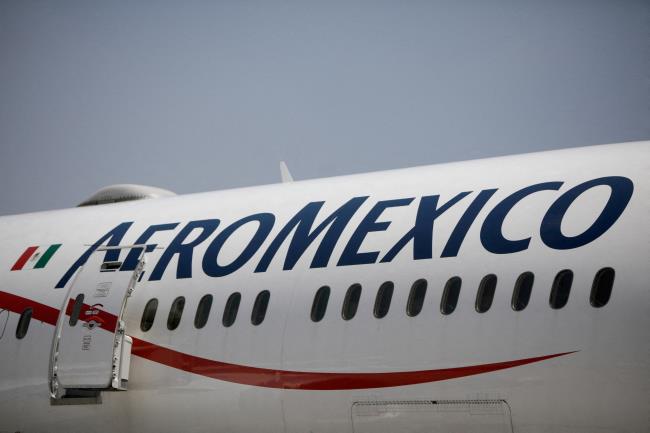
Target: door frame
[[121, 341]]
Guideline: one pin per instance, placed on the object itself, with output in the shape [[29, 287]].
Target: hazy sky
[[198, 96]]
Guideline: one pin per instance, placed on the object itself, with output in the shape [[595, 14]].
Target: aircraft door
[[91, 349]]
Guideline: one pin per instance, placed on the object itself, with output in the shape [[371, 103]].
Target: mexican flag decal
[[35, 257]]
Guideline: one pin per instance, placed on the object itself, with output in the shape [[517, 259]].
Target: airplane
[[506, 294]]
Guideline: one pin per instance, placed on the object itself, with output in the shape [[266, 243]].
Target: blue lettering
[[492, 230], [210, 265], [184, 251], [114, 237], [460, 231], [302, 222], [131, 260], [422, 232], [351, 254], [550, 230]]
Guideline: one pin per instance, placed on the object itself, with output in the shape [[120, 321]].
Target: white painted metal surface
[[432, 416], [209, 379], [90, 347]]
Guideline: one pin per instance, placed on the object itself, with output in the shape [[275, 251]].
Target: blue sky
[[198, 96]]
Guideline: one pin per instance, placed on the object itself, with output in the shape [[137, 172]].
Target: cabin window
[[561, 289], [76, 309], [601, 290], [522, 291], [450, 295], [351, 301], [382, 301], [260, 306], [175, 313], [485, 293], [23, 323], [149, 315], [319, 306], [416, 298], [203, 311], [230, 311]]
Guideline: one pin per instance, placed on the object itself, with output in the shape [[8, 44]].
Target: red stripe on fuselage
[[18, 304], [265, 377], [23, 258]]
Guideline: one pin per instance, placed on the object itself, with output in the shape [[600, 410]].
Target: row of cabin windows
[[560, 290], [600, 293], [230, 311]]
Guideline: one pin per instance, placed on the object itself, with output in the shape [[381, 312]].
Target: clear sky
[[198, 96]]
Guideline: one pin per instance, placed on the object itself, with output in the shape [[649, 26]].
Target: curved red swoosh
[[271, 378]]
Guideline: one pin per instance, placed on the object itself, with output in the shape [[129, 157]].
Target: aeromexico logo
[[302, 230]]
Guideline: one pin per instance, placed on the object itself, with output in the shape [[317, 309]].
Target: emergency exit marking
[[85, 344], [102, 290]]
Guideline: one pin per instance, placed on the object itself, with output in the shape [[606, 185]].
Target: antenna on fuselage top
[[285, 174]]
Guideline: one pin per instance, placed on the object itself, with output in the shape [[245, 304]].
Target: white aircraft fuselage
[[561, 354]]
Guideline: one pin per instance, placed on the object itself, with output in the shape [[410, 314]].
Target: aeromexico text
[[301, 231]]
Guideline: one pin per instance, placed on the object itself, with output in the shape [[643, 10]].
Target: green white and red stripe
[[35, 257]]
